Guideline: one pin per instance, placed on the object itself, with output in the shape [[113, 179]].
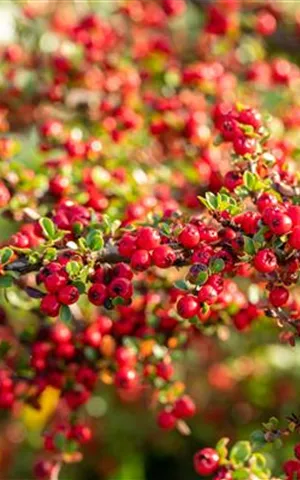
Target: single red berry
[[279, 296], [50, 305], [291, 467], [297, 451], [92, 336], [164, 370], [232, 180], [163, 256], [126, 378], [97, 294], [265, 261], [206, 461], [125, 357], [184, 407], [166, 420], [42, 469], [266, 23], [208, 235], [60, 333], [127, 245], [188, 306], [294, 238], [68, 295], [244, 145], [189, 237], [293, 212], [147, 238], [280, 224], [122, 270], [252, 117], [266, 200], [120, 287], [140, 260], [207, 294], [82, 433], [55, 281]]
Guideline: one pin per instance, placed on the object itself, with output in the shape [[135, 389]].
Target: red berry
[[189, 237], [206, 461], [55, 281], [42, 469], [279, 296], [280, 224], [147, 238], [125, 357], [163, 256], [297, 451], [140, 260], [266, 200], [122, 270], [293, 212], [92, 336], [216, 281], [126, 378], [68, 295], [184, 407], [294, 238], [265, 261], [266, 23], [97, 294], [127, 245], [188, 306], [166, 420], [244, 145], [120, 287], [50, 305], [60, 333], [232, 180], [207, 294], [164, 370], [81, 433], [252, 117]]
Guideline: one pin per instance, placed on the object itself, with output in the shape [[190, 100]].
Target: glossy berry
[[50, 305], [206, 461], [140, 260], [60, 333], [97, 294], [184, 407], [189, 237], [188, 306], [166, 420], [207, 294], [294, 238], [147, 238], [126, 378], [163, 256], [244, 145], [279, 296], [68, 295], [265, 261], [280, 224], [252, 117]]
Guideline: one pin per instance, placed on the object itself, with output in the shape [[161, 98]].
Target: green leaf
[[257, 439], [241, 474], [6, 254], [249, 179], [182, 285], [65, 314], [95, 240], [73, 268], [222, 449], [4, 348], [118, 301], [91, 354], [249, 245], [48, 228], [60, 441], [217, 265], [6, 281], [202, 278], [240, 453], [211, 200]]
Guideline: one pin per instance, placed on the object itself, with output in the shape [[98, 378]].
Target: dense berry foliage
[[152, 190]]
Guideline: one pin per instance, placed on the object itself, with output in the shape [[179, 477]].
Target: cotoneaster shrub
[[157, 201]]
